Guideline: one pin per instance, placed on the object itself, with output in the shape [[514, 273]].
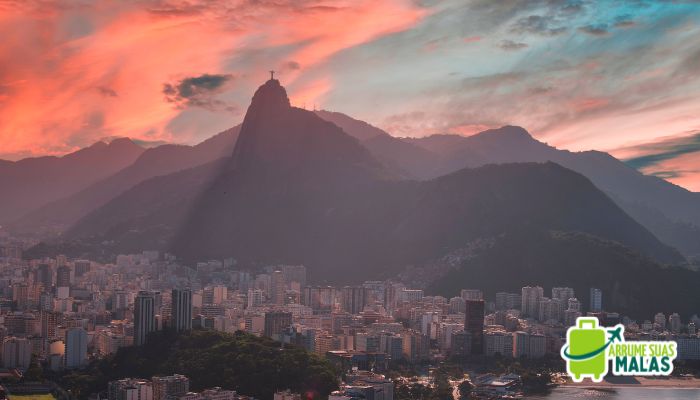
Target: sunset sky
[[619, 76]]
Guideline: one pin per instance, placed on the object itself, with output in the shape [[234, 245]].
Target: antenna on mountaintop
[[272, 74]]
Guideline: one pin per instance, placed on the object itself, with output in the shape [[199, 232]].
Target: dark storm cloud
[[656, 153], [198, 91]]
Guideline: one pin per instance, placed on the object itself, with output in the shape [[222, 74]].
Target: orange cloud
[[70, 75]]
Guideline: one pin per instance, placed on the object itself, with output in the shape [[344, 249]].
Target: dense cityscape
[[60, 314], [349, 200]]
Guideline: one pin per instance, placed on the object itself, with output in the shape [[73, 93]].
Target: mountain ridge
[[40, 180]]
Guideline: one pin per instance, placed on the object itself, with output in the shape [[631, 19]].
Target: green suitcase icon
[[587, 338]]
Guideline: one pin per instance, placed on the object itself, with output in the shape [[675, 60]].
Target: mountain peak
[[508, 131], [278, 139], [271, 95]]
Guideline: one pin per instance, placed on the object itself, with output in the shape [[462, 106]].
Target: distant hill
[[57, 216], [33, 182], [676, 211], [632, 284], [299, 189]]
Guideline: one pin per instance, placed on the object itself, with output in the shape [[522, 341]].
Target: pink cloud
[[60, 90]]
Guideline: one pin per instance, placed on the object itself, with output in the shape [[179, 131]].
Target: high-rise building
[[531, 296], [457, 305], [674, 323], [660, 320], [352, 299], [63, 276], [181, 309], [574, 304], [474, 324], [375, 292], [16, 353], [563, 293], [529, 345], [144, 316], [43, 275], [471, 294], [130, 389], [255, 298], [498, 342], [416, 346], [49, 321], [120, 300], [76, 348], [596, 300], [81, 267], [166, 387], [461, 343], [319, 298], [277, 287], [551, 309], [508, 301], [411, 296], [276, 322]]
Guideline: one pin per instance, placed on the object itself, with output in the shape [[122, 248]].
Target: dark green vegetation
[[632, 284], [248, 364], [441, 389]]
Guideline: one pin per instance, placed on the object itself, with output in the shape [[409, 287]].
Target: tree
[[465, 388]]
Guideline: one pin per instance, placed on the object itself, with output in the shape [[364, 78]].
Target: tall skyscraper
[[144, 316], [531, 296], [182, 309], [63, 276], [596, 300], [353, 299], [474, 324], [277, 287], [76, 348], [49, 321]]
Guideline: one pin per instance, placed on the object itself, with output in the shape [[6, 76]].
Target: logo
[[591, 350]]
